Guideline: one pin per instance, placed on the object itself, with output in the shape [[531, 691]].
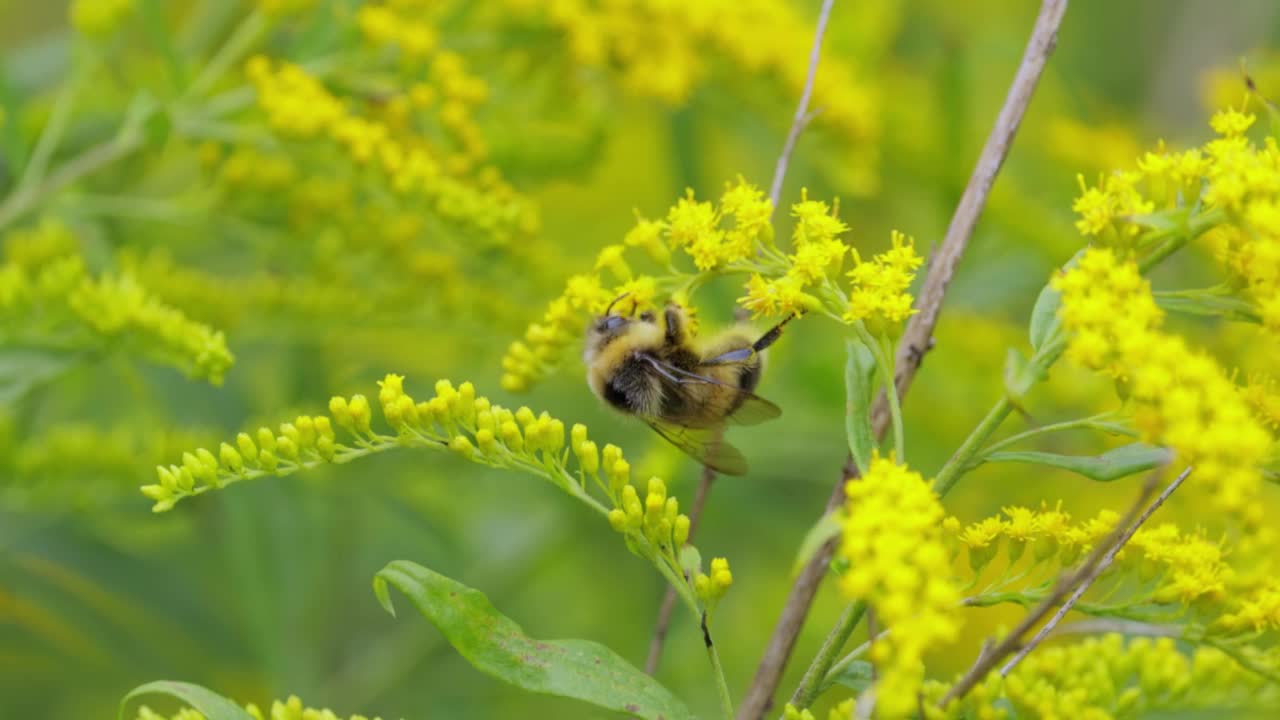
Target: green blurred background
[[263, 590]]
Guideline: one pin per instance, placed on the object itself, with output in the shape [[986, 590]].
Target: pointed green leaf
[[859, 384], [210, 704], [827, 527], [1111, 465], [1044, 316], [495, 645], [690, 560], [856, 676], [1209, 303], [1171, 220], [384, 597]]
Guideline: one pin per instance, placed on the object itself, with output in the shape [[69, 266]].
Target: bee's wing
[[739, 407], [704, 445]]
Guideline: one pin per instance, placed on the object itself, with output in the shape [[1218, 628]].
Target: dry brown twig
[[1074, 584], [916, 339]]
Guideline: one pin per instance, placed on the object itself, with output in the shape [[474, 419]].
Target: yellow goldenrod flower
[[1107, 677], [879, 287], [783, 296], [1182, 399], [46, 279], [892, 540], [460, 420]]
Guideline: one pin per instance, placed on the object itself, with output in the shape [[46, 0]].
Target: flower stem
[[955, 467], [815, 676]]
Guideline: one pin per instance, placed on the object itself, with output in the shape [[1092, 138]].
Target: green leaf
[[1111, 465], [24, 368], [859, 386], [1210, 303], [856, 676], [690, 560], [210, 704], [827, 527], [1020, 375], [1044, 316], [495, 645], [1169, 221]]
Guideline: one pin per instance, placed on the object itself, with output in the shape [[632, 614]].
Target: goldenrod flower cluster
[[1182, 399], [298, 106], [1231, 183], [1107, 677], [667, 49], [469, 425], [46, 292], [290, 709], [1263, 396], [99, 18], [892, 540], [842, 711], [1187, 566], [803, 281], [733, 236]]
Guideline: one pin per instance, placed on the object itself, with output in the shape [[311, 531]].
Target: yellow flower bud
[[578, 434], [266, 440], [617, 518], [290, 431], [554, 439], [525, 417], [168, 479], [465, 410], [486, 441], [511, 436], [231, 459], [306, 431], [588, 457], [268, 460], [326, 447], [461, 445], [160, 493], [391, 388], [248, 450], [287, 447], [619, 475], [323, 428], [361, 415], [340, 412], [680, 531]]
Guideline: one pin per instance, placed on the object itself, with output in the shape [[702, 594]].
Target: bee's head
[[605, 328]]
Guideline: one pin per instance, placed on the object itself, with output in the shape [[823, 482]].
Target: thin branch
[[802, 116], [1089, 579], [916, 339], [669, 599], [1086, 573]]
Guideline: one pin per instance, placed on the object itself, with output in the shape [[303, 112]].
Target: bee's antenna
[[609, 310]]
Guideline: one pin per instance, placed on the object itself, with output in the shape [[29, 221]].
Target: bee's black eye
[[613, 322]]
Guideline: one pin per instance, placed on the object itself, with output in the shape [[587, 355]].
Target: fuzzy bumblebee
[[651, 367]]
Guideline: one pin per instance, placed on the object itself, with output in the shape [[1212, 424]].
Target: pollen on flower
[[892, 539], [879, 286]]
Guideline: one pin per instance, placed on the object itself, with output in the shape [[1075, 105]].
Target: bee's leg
[[741, 354], [673, 318], [770, 337]]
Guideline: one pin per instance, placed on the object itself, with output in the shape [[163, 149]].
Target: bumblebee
[[652, 368]]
